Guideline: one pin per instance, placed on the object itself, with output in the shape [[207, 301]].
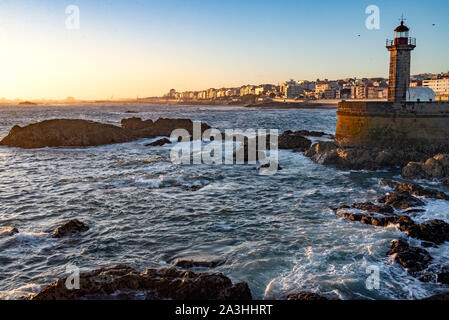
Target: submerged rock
[[189, 264], [8, 231], [151, 284], [306, 296], [307, 133], [158, 143], [69, 228], [413, 259]]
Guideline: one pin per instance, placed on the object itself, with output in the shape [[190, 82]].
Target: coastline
[[318, 104]]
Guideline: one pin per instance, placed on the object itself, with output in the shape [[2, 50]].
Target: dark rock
[[323, 152], [65, 133], [69, 228], [413, 259], [289, 140], [400, 200], [155, 284], [330, 153], [267, 165], [161, 127], [369, 206], [436, 231], [134, 124], [158, 143], [414, 189], [306, 296], [190, 264], [307, 133], [443, 277], [8, 231], [439, 297], [131, 111], [376, 219]]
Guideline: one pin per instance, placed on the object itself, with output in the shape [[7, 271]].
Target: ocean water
[[274, 232]]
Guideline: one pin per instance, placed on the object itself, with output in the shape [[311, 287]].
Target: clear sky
[[144, 48]]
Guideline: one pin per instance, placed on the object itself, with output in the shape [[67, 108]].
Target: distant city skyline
[[143, 48]]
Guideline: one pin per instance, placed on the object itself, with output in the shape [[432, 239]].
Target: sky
[[128, 49]]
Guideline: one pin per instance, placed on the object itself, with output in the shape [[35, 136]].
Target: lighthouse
[[400, 53]]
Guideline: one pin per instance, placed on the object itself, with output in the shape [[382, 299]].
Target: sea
[[275, 232]]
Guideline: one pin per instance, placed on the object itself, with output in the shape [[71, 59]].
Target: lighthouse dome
[[420, 94], [402, 28]]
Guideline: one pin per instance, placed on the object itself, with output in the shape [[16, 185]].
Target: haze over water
[[274, 232]]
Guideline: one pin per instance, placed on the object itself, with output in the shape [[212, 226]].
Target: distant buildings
[[349, 88]]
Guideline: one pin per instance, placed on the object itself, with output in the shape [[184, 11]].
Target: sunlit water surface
[[274, 232]]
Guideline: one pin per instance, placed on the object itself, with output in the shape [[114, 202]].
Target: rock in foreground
[[123, 282]]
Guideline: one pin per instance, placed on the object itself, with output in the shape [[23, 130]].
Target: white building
[[439, 86]]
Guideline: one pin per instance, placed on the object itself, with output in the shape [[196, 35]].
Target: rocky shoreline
[[396, 208]]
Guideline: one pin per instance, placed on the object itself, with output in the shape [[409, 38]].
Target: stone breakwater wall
[[412, 126]]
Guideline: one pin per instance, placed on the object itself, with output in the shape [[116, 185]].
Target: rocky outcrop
[[306, 296], [65, 133], [8, 231], [158, 143], [330, 153], [413, 259], [436, 167], [69, 228], [124, 282], [414, 189], [83, 133], [400, 200]]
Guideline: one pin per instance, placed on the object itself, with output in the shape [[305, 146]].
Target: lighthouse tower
[[400, 49]]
